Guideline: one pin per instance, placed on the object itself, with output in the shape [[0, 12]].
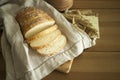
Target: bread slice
[[37, 28], [45, 40], [54, 47], [42, 33]]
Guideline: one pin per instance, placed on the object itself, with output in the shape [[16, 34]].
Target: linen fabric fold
[[23, 63]]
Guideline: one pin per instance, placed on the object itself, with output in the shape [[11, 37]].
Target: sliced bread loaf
[[42, 33], [43, 41], [54, 47]]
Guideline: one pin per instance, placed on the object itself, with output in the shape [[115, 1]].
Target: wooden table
[[101, 62]]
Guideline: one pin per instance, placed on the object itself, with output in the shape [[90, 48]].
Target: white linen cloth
[[23, 63]]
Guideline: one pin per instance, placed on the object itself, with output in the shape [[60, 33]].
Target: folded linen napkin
[[22, 63]]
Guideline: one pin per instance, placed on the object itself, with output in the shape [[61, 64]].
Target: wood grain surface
[[101, 62]]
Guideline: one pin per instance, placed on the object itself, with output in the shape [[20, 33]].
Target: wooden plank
[[83, 76], [109, 38], [97, 0], [97, 62], [108, 15], [96, 4], [92, 66]]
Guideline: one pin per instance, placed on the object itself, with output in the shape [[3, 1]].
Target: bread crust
[[27, 11]]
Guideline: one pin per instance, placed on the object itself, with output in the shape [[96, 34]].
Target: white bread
[[42, 33], [54, 47], [37, 28], [43, 41], [32, 23]]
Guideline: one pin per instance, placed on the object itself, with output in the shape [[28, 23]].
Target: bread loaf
[[40, 31], [33, 20]]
